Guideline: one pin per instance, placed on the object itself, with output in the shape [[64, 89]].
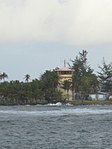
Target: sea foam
[[56, 112]]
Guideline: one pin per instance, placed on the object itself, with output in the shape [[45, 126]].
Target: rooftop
[[64, 69]]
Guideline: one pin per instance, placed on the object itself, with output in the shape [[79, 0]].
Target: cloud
[[70, 21]]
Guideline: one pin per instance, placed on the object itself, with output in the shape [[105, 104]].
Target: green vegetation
[[34, 92], [45, 90], [91, 102], [105, 77], [67, 85], [3, 76], [84, 80]]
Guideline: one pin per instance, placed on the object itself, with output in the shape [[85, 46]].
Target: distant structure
[[65, 74]]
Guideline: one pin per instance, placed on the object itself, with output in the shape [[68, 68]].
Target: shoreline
[[73, 103], [91, 102]]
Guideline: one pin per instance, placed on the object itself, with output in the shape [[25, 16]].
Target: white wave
[[17, 112], [91, 111], [55, 104], [68, 104], [78, 111]]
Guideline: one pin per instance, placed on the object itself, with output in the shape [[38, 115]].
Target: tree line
[[85, 81], [44, 90]]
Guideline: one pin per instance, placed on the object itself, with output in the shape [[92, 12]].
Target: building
[[65, 81], [99, 96]]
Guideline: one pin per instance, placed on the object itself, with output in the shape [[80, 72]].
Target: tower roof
[[64, 69]]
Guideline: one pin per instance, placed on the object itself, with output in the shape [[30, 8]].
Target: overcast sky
[[36, 35]]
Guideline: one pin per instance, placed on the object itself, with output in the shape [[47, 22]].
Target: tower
[[65, 81]]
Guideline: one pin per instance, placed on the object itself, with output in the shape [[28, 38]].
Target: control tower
[[65, 76]]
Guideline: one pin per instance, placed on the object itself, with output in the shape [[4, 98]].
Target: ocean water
[[56, 127]]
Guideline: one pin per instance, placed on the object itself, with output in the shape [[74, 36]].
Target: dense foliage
[[34, 92], [84, 79], [105, 77]]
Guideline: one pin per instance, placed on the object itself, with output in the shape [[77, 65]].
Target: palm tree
[[27, 77], [3, 76], [67, 85]]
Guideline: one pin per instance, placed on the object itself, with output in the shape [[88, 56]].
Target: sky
[[38, 35]]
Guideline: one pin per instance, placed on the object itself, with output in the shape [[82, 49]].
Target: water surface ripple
[[56, 127]]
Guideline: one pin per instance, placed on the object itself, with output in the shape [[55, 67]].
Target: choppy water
[[56, 127]]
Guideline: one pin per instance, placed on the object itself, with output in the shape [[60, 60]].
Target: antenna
[[64, 63]]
